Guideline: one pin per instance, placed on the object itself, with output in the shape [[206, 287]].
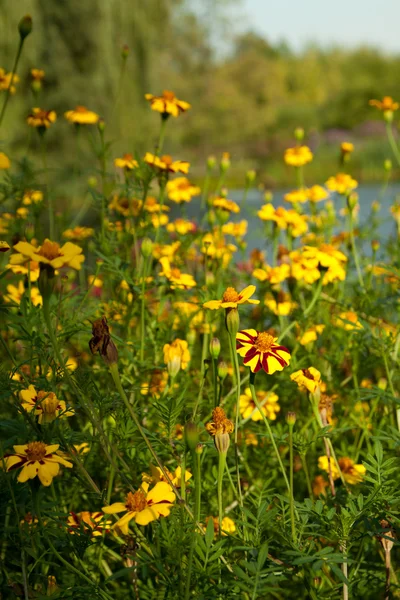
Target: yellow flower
[[181, 190], [22, 212], [348, 321], [311, 334], [80, 115], [341, 183], [143, 506], [259, 350], [329, 258], [32, 196], [307, 379], [78, 233], [93, 523], [352, 473], [4, 247], [168, 250], [316, 193], [237, 230], [126, 162], [15, 294], [178, 348], [4, 161], [231, 298], [267, 400], [5, 81], [152, 206], [385, 105], [175, 277], [42, 119], [31, 267], [156, 385], [346, 148], [227, 525], [272, 274], [45, 405], [226, 205], [296, 196], [219, 424], [281, 305], [298, 156], [167, 104], [36, 458], [49, 253], [304, 269], [157, 475], [37, 74], [296, 224], [165, 163], [319, 485], [181, 226], [214, 246]]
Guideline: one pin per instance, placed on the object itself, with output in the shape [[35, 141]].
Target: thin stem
[[308, 480], [197, 503], [354, 250], [14, 70], [291, 497], [344, 571], [392, 141], [221, 469], [142, 315]]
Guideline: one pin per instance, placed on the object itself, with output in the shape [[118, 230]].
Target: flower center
[[175, 273], [308, 374], [264, 342], [36, 451], [81, 109], [230, 295], [167, 95], [128, 156], [167, 159], [48, 402], [50, 250], [136, 502]]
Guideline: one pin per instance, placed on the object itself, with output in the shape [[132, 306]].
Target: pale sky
[[340, 22]]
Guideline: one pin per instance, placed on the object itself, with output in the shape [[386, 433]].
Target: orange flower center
[[167, 159], [346, 465], [81, 109], [175, 273], [167, 95], [128, 156], [36, 451], [50, 250], [264, 342], [136, 502], [230, 295]]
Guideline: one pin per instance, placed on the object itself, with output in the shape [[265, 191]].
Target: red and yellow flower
[[41, 119], [49, 253], [45, 405], [93, 523], [259, 350], [36, 459]]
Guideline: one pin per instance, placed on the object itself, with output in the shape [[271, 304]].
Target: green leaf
[[262, 556], [209, 537], [378, 451]]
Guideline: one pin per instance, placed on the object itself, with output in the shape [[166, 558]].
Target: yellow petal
[[29, 471], [162, 491], [146, 516], [212, 304], [114, 508], [246, 293], [47, 471]]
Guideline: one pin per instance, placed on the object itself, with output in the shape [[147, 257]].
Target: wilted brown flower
[[102, 343]]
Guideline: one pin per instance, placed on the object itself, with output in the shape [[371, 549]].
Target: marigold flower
[[80, 115], [93, 523], [44, 404], [31, 267], [180, 190], [348, 321], [219, 424], [319, 485], [175, 277], [296, 196], [307, 379], [4, 162], [15, 294], [144, 506], [102, 343], [78, 233], [259, 350], [227, 525], [157, 475], [32, 197], [126, 162], [49, 253], [226, 205], [156, 385], [42, 119], [4, 247], [267, 400], [316, 193], [237, 230], [166, 164], [231, 298], [387, 104], [6, 82], [311, 334], [342, 183], [181, 226], [167, 104], [177, 348], [36, 458], [37, 74], [272, 274], [280, 305], [346, 148], [351, 472], [298, 156]]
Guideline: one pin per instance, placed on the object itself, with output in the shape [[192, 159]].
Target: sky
[[346, 23]]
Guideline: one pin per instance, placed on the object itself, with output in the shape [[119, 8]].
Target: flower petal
[[117, 507], [47, 471], [245, 294]]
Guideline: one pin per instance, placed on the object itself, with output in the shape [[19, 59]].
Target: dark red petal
[[250, 354], [264, 362], [281, 360], [275, 348]]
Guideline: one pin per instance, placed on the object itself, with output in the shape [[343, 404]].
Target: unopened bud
[[25, 26], [375, 206], [125, 51], [146, 247], [225, 162], [191, 435], [92, 181], [224, 192], [291, 418], [299, 134], [211, 162], [388, 116], [250, 177], [36, 86], [352, 200], [191, 337], [232, 321], [101, 125], [199, 449], [51, 585], [222, 369], [215, 348], [268, 196], [375, 245], [387, 165]]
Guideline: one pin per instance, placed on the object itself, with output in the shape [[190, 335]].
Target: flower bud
[[101, 125], [250, 177], [232, 321], [352, 201], [387, 165], [25, 26], [36, 86], [225, 162], [174, 366], [215, 347], [92, 181], [146, 247], [291, 418], [191, 435], [299, 134], [191, 337], [222, 369], [51, 585], [211, 162], [268, 196], [199, 449], [375, 245], [388, 116], [125, 51], [375, 206], [222, 442]]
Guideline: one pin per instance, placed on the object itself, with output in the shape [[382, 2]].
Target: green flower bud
[[299, 134], [250, 177], [25, 26], [222, 370], [387, 165], [146, 247], [211, 162], [232, 321], [215, 347], [291, 418], [191, 435]]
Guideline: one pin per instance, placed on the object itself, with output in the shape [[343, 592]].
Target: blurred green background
[[247, 95]]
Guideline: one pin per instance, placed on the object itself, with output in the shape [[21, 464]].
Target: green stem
[[389, 377], [142, 315], [291, 497], [392, 141], [161, 137], [197, 503], [234, 357], [315, 297], [221, 469], [215, 381], [13, 72], [308, 480], [354, 250]]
